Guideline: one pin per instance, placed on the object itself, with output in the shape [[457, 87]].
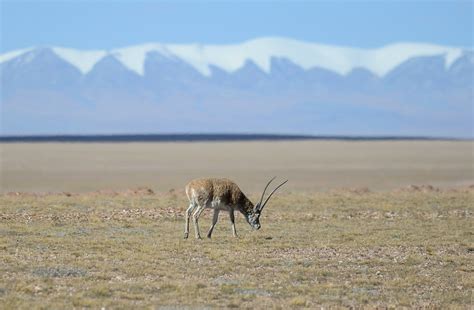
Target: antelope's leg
[[196, 215], [188, 215], [214, 221], [232, 220]]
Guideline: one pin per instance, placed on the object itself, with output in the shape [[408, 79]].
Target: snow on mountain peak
[[231, 57], [13, 54], [83, 60]]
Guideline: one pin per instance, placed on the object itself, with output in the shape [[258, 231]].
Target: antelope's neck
[[247, 207]]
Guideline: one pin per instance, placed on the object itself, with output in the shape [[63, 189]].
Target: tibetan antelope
[[222, 195]]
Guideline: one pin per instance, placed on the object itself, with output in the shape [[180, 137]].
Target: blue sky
[[111, 24]]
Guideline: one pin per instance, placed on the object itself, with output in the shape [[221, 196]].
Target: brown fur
[[229, 193]]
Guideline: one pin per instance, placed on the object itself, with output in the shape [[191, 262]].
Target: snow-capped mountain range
[[230, 58], [262, 85]]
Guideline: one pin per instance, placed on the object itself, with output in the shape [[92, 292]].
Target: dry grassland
[[319, 245], [339, 248], [310, 165]]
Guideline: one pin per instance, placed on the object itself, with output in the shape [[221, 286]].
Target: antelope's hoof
[[186, 235]]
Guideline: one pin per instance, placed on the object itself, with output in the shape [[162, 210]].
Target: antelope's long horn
[[268, 198], [263, 194]]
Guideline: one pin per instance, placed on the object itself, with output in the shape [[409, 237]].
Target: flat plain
[[309, 165], [349, 230]]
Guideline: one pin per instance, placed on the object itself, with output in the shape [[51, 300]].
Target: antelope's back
[[210, 189]]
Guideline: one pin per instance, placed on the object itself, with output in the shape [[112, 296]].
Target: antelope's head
[[254, 217]]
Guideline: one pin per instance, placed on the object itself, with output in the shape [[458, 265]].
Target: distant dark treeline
[[199, 138]]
